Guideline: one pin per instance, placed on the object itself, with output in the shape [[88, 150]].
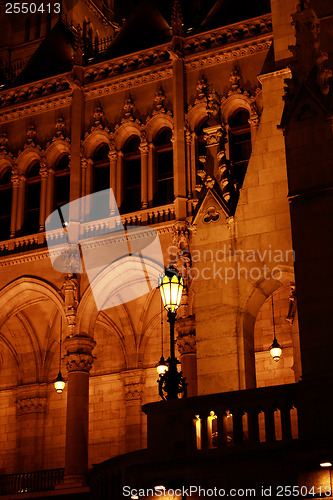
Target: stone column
[[151, 174], [132, 381], [188, 138], [113, 157], [20, 204], [43, 171], [186, 342], [79, 361], [119, 176], [50, 193], [13, 221], [84, 167], [144, 148]]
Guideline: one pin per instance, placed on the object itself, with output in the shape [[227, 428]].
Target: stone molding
[[186, 337]]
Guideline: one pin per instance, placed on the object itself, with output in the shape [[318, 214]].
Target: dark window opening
[[101, 175], [62, 182], [239, 144], [6, 204], [164, 193], [32, 200], [132, 176]]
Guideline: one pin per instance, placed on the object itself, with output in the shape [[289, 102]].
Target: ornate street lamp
[[171, 382], [275, 349], [59, 383]]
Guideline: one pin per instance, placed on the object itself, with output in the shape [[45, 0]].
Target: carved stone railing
[[27, 482], [150, 216]]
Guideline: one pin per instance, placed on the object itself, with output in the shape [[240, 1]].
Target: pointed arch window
[[62, 180], [164, 192], [239, 143], [6, 203], [101, 170], [32, 200], [132, 176]]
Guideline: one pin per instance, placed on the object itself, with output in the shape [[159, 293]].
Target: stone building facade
[[185, 114]]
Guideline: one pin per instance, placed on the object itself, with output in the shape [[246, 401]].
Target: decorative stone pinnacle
[[177, 19]]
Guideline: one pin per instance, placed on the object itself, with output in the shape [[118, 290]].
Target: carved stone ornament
[[202, 90], [3, 142], [235, 78], [132, 383], [60, 128], [78, 355], [211, 215], [30, 405], [176, 19], [292, 304], [128, 110], [186, 338], [98, 118], [31, 136]]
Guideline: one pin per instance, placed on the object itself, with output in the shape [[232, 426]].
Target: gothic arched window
[[101, 170], [132, 176], [61, 173], [239, 143], [6, 203], [164, 192], [32, 200]]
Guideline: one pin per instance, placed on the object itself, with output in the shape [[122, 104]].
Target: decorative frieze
[[30, 405], [132, 384]]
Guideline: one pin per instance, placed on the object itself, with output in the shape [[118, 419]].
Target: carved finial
[[31, 135], [202, 89], [159, 102], [78, 46], [213, 106], [235, 78], [98, 117], [128, 109], [177, 19], [60, 127]]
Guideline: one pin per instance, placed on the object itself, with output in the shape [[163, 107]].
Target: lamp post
[[59, 383], [171, 382]]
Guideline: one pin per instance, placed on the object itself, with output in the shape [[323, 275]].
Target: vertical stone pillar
[[49, 192], [151, 174], [13, 221], [188, 138], [84, 168], [179, 135], [144, 148], [43, 171], [113, 157], [20, 204], [132, 382], [119, 176], [186, 342], [79, 361]]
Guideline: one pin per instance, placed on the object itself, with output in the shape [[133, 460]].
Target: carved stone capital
[[113, 155], [144, 148], [79, 353], [213, 135], [43, 171]]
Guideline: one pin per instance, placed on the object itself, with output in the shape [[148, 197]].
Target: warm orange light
[[171, 288], [59, 383], [275, 350], [325, 464], [134, 497], [162, 367]]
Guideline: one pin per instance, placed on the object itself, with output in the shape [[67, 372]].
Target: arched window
[[61, 182], [132, 176], [6, 203], [164, 192], [32, 200], [101, 170], [239, 143]]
